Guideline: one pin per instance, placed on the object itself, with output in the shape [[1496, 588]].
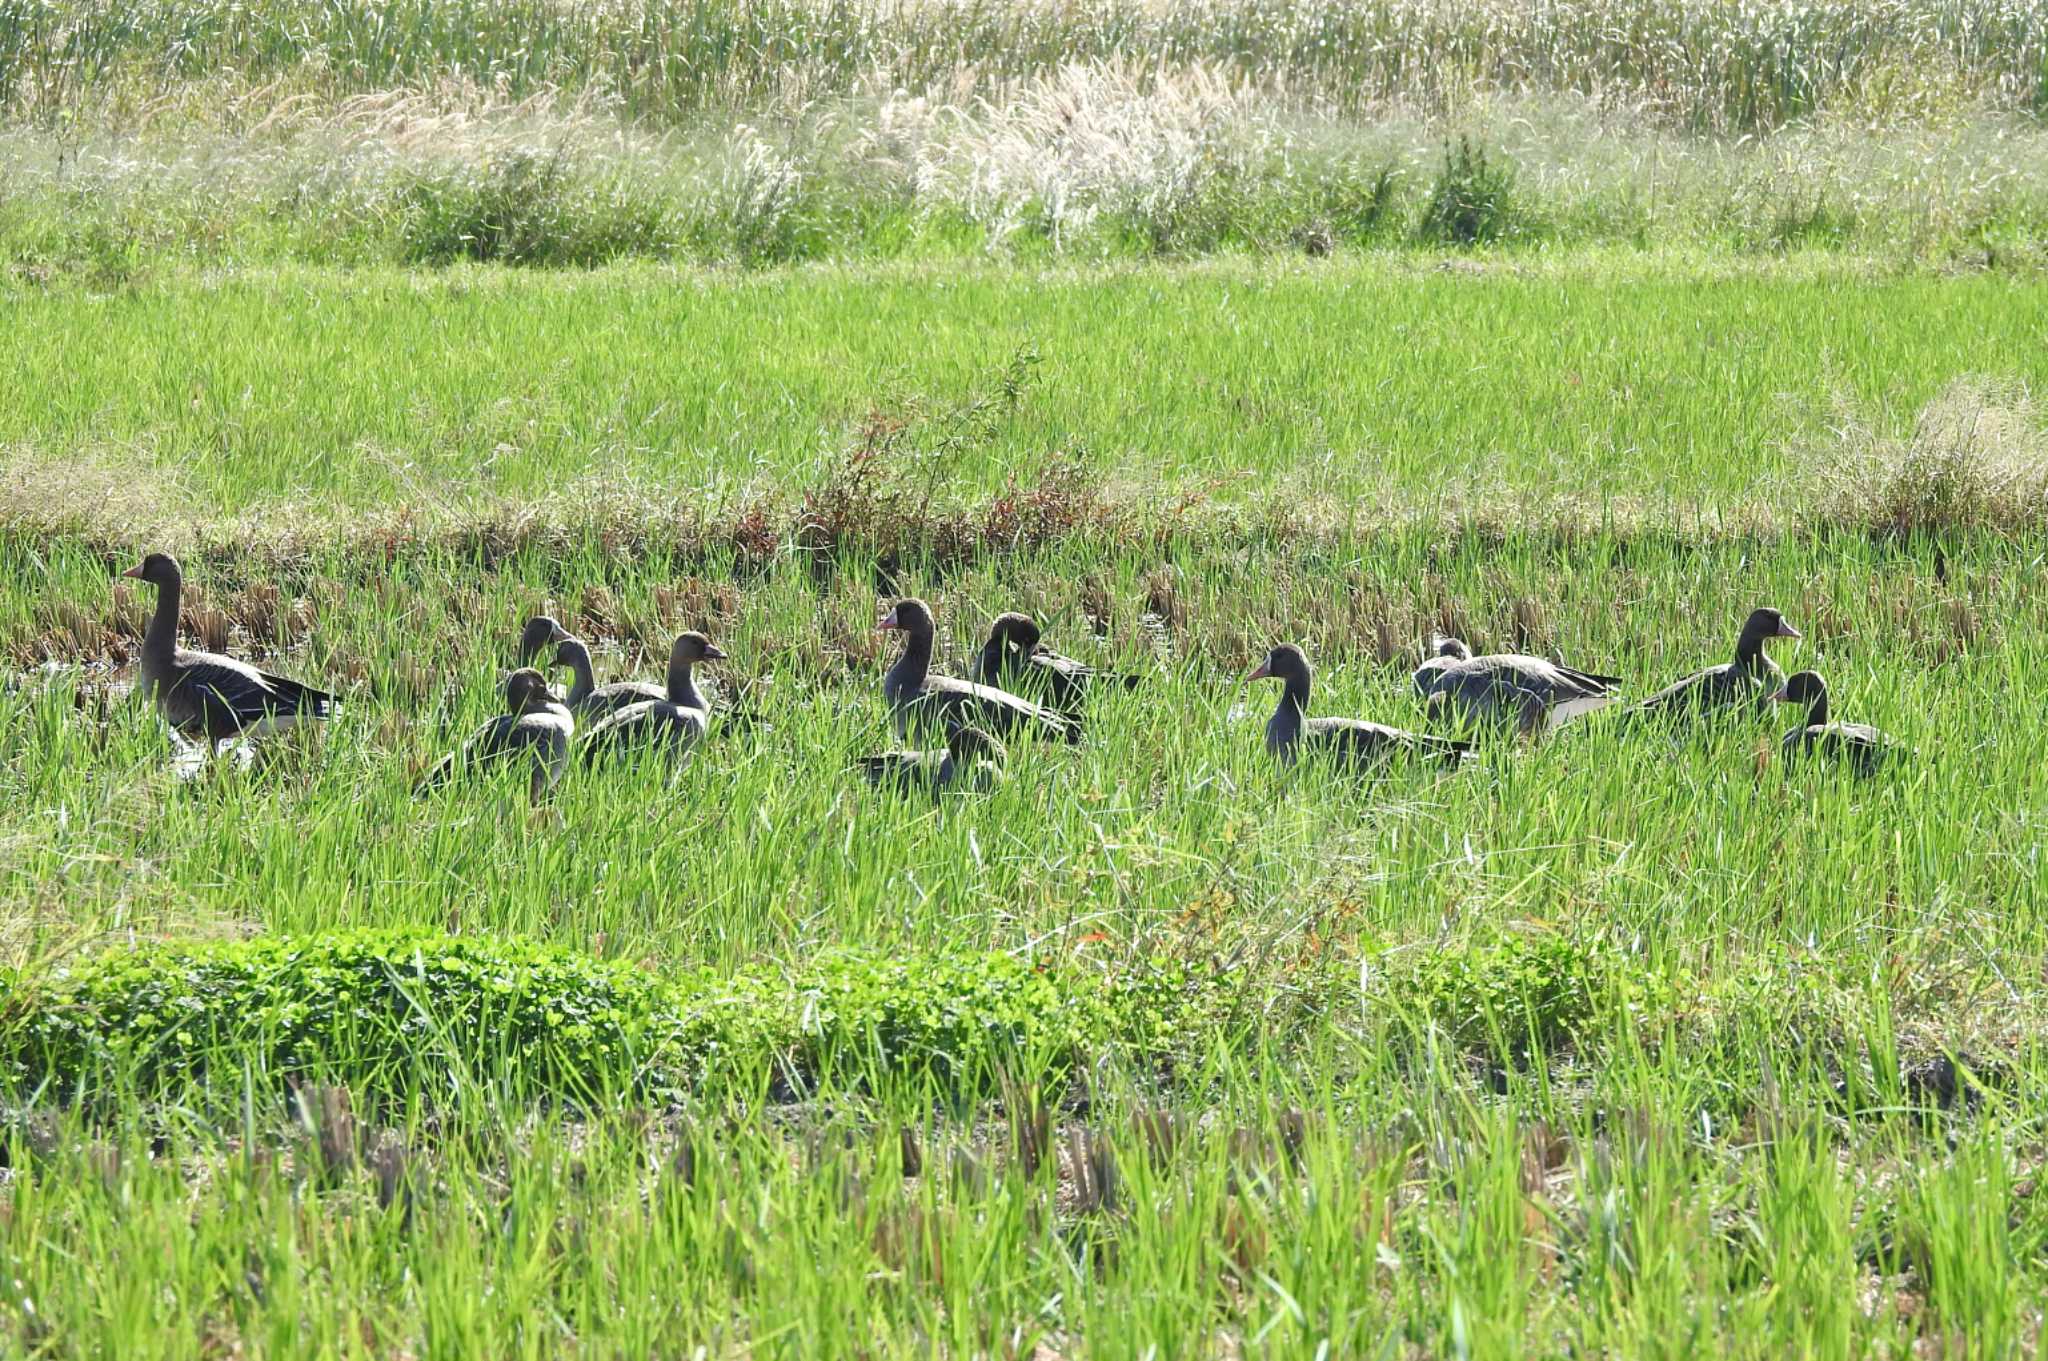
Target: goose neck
[[581, 688], [1817, 710], [1283, 729], [916, 662], [682, 684], [160, 639]]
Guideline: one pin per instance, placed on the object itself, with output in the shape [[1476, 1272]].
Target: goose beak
[[1785, 630], [1782, 695], [1258, 673], [558, 634], [712, 653], [135, 571], [887, 621]]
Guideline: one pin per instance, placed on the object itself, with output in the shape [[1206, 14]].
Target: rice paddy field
[[1579, 330]]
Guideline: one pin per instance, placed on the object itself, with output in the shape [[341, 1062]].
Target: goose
[[205, 692], [674, 723], [916, 696], [1446, 652], [1752, 678], [586, 698], [1014, 656], [1861, 745], [970, 761], [542, 631], [1355, 741], [536, 725], [1537, 694]]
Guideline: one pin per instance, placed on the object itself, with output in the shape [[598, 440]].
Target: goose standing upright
[[1751, 678], [1356, 742], [1015, 658], [536, 726], [205, 693], [1862, 746], [673, 724], [919, 698]]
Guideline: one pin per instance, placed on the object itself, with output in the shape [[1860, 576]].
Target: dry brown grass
[[1976, 459]]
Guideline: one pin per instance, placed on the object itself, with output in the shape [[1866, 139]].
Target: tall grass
[[1721, 67], [1090, 161]]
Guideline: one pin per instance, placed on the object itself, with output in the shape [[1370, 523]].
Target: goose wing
[[952, 703], [1360, 740], [209, 689]]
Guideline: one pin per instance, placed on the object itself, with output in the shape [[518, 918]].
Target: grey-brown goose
[[673, 724], [1533, 693], [970, 762], [1860, 745], [1353, 741], [536, 727], [205, 693], [1752, 679], [730, 711], [1446, 652], [917, 698], [1015, 659], [587, 698]]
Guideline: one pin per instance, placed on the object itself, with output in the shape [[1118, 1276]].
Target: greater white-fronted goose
[[1014, 658], [921, 699], [1751, 679], [970, 762], [1353, 741], [586, 696], [1860, 745], [673, 724], [205, 693], [1533, 693], [536, 727], [1446, 652], [544, 631], [539, 633]]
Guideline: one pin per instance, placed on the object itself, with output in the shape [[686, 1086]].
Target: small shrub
[[1351, 204], [1472, 201], [1811, 223], [527, 209]]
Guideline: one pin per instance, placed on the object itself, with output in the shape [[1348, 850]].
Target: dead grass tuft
[[1975, 460]]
